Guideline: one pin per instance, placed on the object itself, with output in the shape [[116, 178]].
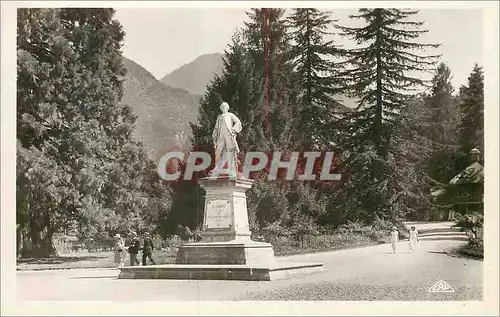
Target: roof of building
[[473, 174]]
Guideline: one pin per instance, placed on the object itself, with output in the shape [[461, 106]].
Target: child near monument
[[394, 239], [413, 238]]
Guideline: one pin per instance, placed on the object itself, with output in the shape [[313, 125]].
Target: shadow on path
[[60, 259], [438, 252], [114, 277]]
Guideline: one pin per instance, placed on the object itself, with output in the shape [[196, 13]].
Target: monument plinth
[[225, 216], [226, 232]]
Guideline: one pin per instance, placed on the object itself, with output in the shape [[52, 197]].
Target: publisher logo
[[441, 287]]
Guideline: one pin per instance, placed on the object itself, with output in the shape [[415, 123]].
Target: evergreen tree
[[380, 75], [433, 119], [383, 77], [317, 74], [472, 112], [441, 120], [268, 46], [439, 128], [71, 125]]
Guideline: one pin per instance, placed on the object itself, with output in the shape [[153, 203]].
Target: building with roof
[[467, 187]]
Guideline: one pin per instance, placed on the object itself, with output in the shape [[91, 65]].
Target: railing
[[469, 199]]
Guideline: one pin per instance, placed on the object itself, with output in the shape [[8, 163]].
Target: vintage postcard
[[249, 158]]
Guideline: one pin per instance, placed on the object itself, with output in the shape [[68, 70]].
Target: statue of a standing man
[[224, 138]]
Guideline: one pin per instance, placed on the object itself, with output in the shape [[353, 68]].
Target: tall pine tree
[[268, 47], [381, 74], [316, 67], [472, 112], [384, 75]]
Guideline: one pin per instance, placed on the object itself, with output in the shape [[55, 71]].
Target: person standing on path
[[394, 239], [413, 238], [147, 249], [133, 249], [118, 250]]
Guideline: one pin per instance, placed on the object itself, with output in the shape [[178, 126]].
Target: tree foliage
[[382, 75], [316, 67], [78, 163], [472, 111]]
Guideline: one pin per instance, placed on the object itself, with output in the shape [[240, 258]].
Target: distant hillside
[[162, 111], [195, 76]]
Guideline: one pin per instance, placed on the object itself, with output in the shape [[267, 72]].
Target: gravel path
[[371, 273]]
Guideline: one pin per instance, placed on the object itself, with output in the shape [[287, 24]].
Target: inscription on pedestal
[[218, 214]]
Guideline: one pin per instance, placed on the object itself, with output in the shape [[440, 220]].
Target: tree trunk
[[377, 125], [38, 242]]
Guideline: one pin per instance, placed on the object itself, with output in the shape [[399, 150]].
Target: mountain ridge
[[195, 75], [163, 112]]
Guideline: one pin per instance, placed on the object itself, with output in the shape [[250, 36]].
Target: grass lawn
[[92, 260], [88, 260], [469, 251]]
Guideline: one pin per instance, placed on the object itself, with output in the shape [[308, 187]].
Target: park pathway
[[438, 231], [371, 273]]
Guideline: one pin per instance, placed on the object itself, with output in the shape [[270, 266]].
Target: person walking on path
[[147, 249], [413, 238], [133, 249], [118, 250], [394, 239]]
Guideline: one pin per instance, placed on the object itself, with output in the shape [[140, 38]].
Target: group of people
[[412, 240], [133, 249]]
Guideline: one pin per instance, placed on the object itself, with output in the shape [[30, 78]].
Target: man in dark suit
[[147, 249], [133, 249]]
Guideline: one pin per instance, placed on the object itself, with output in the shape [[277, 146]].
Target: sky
[[163, 39]]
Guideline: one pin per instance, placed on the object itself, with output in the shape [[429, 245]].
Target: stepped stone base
[[242, 252], [278, 270], [239, 259]]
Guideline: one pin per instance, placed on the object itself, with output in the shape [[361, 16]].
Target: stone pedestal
[[225, 250], [226, 233], [225, 217]]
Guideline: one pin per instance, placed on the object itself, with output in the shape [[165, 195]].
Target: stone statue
[[224, 138]]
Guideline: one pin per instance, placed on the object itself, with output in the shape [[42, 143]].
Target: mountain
[[195, 76], [163, 113]]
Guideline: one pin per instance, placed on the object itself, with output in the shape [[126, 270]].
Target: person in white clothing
[[394, 238], [119, 250], [413, 238]]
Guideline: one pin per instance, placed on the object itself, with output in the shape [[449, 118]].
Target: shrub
[[274, 231], [472, 224]]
